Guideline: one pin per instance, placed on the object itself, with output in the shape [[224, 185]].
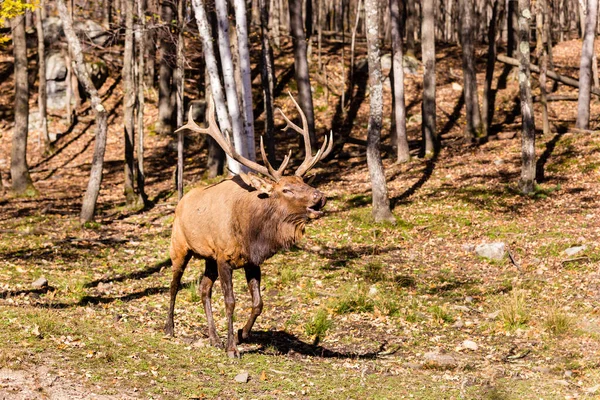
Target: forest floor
[[356, 310]]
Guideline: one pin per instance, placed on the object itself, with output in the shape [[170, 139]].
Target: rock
[[469, 344], [568, 374], [491, 251], [493, 315], [56, 66], [439, 360], [53, 30], [242, 377], [571, 251], [498, 161], [412, 365], [410, 65], [40, 283], [458, 324], [468, 299]]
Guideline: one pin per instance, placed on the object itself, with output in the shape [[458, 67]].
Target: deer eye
[[287, 191]]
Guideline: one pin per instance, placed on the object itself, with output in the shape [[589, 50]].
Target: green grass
[[514, 312]]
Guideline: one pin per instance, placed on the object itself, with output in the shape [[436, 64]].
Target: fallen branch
[[551, 74], [361, 142]]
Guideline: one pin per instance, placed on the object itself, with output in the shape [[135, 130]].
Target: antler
[[309, 161], [225, 143]]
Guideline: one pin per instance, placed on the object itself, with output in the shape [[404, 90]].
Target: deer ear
[[257, 183]]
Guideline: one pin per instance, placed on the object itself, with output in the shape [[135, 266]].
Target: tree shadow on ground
[[545, 156], [281, 342], [140, 274]]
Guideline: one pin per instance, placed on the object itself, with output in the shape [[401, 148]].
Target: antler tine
[[275, 173], [322, 153]]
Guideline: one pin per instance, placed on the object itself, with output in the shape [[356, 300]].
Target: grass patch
[[318, 325], [354, 300], [513, 311], [441, 314], [557, 322]]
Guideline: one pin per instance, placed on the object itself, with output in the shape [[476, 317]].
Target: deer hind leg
[[211, 274], [179, 261], [225, 274], [253, 276]]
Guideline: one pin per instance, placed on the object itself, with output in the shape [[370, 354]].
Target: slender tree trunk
[[179, 84], [320, 33], [487, 106], [448, 31], [129, 108], [411, 27], [542, 56], [19, 171], [353, 40], [266, 74], [141, 54], [511, 27], [381, 202], [527, 182], [301, 66], [91, 194], [402, 150], [167, 61], [245, 69], [474, 127], [585, 67], [233, 105], [212, 68], [151, 38], [42, 97], [428, 56], [275, 11]]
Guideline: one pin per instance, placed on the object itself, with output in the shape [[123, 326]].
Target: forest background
[[459, 254]]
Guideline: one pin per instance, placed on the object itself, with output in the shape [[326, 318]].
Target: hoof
[[240, 338]]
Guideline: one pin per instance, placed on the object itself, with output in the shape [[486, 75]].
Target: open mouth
[[314, 211]]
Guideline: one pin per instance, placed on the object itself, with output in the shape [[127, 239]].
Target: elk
[[241, 222]]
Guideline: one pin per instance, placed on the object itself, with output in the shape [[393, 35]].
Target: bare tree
[[266, 74], [140, 39], [179, 78], [474, 126], [212, 68], [166, 104], [93, 188], [527, 182], [428, 56], [241, 27], [129, 108], [19, 171], [487, 105], [301, 66], [542, 55], [233, 105], [411, 26], [585, 67], [42, 97], [402, 150], [381, 201]]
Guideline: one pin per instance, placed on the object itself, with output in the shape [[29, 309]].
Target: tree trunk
[[212, 70], [487, 106], [353, 41], [474, 127], [527, 182], [233, 105], [150, 38], [165, 79], [301, 66], [274, 22], [266, 74], [320, 33], [179, 78], [245, 69], [542, 56], [91, 194], [129, 94], [42, 97], [448, 31], [381, 201], [585, 67], [411, 27], [511, 27], [19, 171], [140, 38], [428, 57], [402, 151]]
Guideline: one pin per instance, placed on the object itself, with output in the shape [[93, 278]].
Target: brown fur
[[235, 224]]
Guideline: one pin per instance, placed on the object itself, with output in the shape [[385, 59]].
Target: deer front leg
[[225, 273], [253, 275], [211, 274], [179, 260]]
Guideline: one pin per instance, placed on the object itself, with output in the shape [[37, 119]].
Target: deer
[[241, 222]]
